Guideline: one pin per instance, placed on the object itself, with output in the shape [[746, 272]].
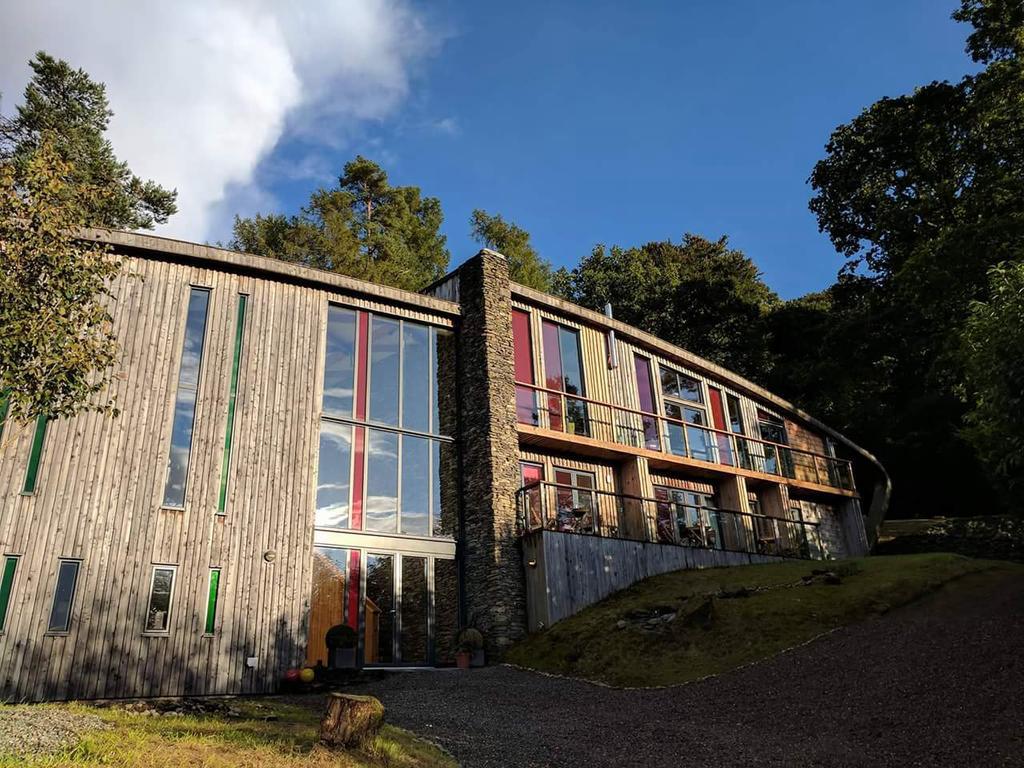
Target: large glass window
[[687, 518], [563, 368], [526, 397], [185, 400], [379, 613], [687, 417], [161, 592], [575, 501], [381, 480], [63, 596], [777, 460]]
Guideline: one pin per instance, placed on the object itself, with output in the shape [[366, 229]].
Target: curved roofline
[[688, 358], [165, 247]]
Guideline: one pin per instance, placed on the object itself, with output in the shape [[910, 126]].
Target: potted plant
[[341, 642], [471, 645]]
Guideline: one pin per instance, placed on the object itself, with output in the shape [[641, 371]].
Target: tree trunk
[[350, 721]]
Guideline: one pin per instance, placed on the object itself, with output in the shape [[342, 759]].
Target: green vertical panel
[[226, 462], [4, 403], [211, 601], [37, 450], [6, 585]]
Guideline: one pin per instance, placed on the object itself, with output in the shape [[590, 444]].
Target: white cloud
[[203, 90]]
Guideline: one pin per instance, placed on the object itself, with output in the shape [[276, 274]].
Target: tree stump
[[350, 721]]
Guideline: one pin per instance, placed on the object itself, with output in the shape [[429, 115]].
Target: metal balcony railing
[[579, 415], [574, 509]]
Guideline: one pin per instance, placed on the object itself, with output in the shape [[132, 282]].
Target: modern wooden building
[[298, 452]]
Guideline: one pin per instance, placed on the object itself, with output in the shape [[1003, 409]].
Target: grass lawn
[[711, 636], [133, 740]]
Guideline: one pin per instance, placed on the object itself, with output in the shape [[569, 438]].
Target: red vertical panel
[[521, 344], [718, 418], [362, 346]]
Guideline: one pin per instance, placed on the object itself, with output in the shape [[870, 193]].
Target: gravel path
[[938, 684], [38, 730]]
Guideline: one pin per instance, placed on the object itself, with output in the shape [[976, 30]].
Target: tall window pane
[[526, 398], [212, 595], [416, 389], [379, 610], [384, 370], [185, 400], [158, 615], [333, 475], [415, 485], [443, 365], [63, 596], [413, 637], [382, 482], [339, 366]]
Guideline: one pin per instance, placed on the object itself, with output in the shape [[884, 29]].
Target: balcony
[[541, 410], [572, 509]]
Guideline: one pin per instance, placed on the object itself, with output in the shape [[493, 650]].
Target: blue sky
[[621, 123]]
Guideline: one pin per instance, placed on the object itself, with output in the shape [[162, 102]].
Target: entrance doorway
[[403, 608]]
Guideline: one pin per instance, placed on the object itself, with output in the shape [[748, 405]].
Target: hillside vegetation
[[686, 625]]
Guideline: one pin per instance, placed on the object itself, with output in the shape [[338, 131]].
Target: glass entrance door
[[403, 608]]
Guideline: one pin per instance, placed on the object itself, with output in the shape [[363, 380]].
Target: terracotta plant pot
[[462, 659]]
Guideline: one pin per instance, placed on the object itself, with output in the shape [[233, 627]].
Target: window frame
[[71, 603], [170, 600]]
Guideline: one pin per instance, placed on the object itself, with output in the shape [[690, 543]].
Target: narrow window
[[340, 363], [211, 601], [645, 390], [416, 388], [161, 590], [381, 510], [334, 470], [32, 474], [185, 401], [6, 586], [526, 396], [63, 596], [222, 500]]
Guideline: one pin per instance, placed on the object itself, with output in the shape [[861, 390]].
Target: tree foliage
[[57, 348], [364, 227], [993, 349], [71, 110], [700, 294], [923, 194], [525, 264]]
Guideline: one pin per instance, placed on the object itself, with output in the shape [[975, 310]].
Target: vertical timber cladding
[[101, 483], [493, 573]]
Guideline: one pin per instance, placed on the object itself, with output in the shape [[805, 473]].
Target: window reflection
[[339, 367], [416, 389], [333, 475], [384, 370], [185, 398], [415, 485], [382, 481]]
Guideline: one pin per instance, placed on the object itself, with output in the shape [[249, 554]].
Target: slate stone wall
[[494, 586]]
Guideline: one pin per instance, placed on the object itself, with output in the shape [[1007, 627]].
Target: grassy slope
[[742, 629], [138, 741]]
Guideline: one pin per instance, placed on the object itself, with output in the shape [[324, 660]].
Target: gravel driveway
[[938, 684]]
